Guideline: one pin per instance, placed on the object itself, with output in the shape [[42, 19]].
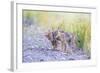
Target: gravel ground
[[38, 48], [40, 54]]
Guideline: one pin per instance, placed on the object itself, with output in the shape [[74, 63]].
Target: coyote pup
[[62, 41]]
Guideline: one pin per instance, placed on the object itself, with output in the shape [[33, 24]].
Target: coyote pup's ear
[[58, 34], [48, 35]]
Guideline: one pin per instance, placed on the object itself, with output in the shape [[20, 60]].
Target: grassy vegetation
[[78, 23]]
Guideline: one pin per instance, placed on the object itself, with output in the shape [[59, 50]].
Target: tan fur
[[59, 41]]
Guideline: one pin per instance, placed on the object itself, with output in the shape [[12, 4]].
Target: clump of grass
[[82, 30]]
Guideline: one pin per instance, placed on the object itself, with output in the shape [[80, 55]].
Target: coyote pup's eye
[[58, 38], [69, 40]]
